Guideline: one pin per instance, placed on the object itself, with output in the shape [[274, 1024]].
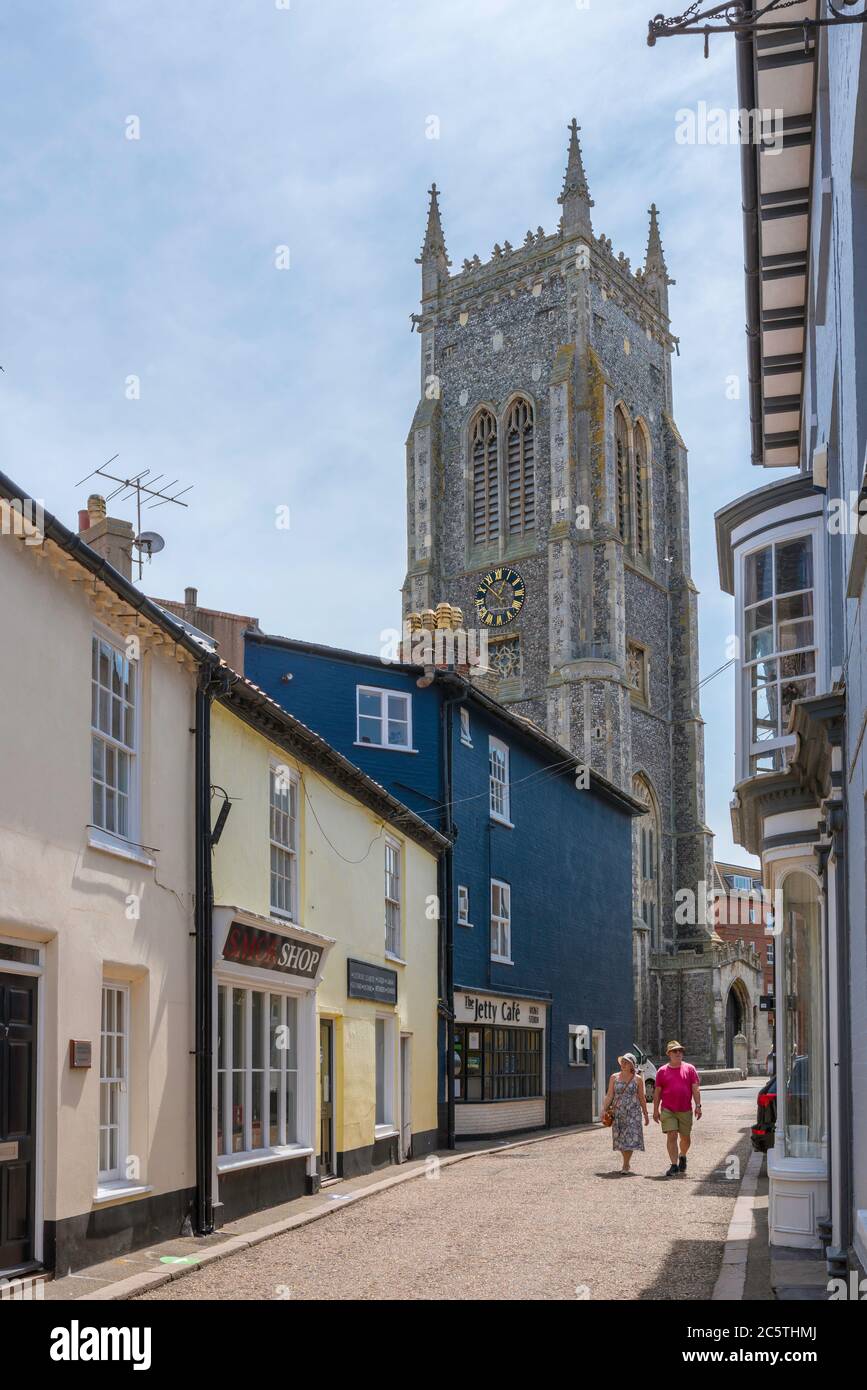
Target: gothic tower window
[[520, 468], [641, 482], [646, 859], [621, 463], [486, 491]]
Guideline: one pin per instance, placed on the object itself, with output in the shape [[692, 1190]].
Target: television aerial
[[148, 492]]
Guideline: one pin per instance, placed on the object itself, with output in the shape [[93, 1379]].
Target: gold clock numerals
[[500, 596]]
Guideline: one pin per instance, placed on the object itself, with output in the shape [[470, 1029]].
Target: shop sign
[[266, 950], [514, 1013], [766, 1003], [374, 982]]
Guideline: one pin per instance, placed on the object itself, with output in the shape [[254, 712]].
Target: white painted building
[[96, 900], [793, 554]]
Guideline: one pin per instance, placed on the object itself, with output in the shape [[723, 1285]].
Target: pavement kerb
[[732, 1278], [143, 1282]]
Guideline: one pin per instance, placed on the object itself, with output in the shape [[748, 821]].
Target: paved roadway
[[544, 1221]]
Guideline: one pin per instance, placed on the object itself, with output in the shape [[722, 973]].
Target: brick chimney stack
[[107, 535]]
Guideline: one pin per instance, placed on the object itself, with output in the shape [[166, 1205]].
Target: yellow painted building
[[324, 963]]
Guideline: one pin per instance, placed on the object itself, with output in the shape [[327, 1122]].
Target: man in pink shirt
[[675, 1089]]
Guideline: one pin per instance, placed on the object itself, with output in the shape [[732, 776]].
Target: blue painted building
[[536, 979]]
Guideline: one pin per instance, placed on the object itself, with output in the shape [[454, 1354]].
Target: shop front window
[[779, 644], [802, 1009], [257, 1070], [497, 1063]]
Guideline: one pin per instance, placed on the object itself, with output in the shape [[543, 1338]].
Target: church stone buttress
[[547, 497]]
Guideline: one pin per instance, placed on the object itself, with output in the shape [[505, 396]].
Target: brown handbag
[[609, 1113]]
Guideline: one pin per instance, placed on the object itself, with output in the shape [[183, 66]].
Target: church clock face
[[500, 597]]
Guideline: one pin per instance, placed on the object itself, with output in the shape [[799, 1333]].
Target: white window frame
[[384, 694], [499, 798], [466, 732], [503, 923], [223, 1075], [773, 533], [388, 1124], [100, 834], [464, 906], [116, 1174], [275, 769], [393, 850]]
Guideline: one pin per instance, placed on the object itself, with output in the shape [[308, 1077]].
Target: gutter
[[752, 256]]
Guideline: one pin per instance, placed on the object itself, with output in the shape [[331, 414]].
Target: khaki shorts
[[676, 1121]]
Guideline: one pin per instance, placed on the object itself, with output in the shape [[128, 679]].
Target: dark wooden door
[[17, 1120], [326, 1098]]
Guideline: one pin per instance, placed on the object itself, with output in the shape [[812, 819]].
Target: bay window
[[780, 649]]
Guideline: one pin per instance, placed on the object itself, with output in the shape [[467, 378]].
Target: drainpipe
[[448, 915], [212, 682], [204, 1207], [838, 821]]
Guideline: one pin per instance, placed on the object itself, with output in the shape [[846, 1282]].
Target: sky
[[209, 222]]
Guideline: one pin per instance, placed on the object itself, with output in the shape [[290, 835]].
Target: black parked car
[[762, 1133], [797, 1104]]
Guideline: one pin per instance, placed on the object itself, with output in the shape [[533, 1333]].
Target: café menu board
[[374, 982]]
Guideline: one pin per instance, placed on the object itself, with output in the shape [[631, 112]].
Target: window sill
[[501, 960], [501, 820], [384, 1131], [468, 925], [385, 747], [398, 960], [465, 743], [114, 1191], [226, 1163], [280, 916], [121, 849]]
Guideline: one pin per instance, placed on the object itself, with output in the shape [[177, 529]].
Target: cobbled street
[[544, 1221]]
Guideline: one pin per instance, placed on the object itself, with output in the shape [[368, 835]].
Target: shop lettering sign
[[518, 1013], [246, 945]]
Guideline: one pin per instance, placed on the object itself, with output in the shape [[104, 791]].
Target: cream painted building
[[96, 901], [200, 1015], [325, 973]]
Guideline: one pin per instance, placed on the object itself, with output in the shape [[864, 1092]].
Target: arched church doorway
[[735, 1023]]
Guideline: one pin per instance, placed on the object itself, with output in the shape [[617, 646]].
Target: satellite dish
[[150, 543]]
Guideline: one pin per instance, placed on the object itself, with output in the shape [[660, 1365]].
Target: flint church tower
[[547, 498]]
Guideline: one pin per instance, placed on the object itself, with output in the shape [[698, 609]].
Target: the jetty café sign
[[374, 982], [248, 945], [484, 1008]]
